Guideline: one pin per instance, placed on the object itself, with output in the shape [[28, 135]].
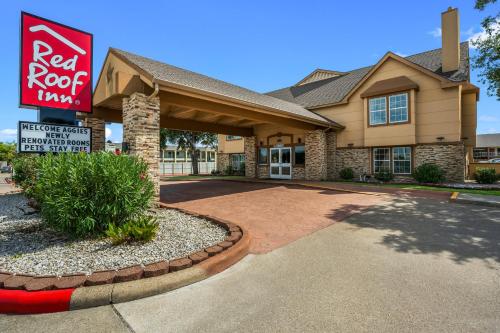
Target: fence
[[185, 168], [474, 166]]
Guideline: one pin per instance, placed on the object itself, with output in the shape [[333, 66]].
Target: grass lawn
[[431, 188], [200, 177]]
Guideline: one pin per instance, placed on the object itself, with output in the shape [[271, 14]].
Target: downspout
[[155, 92]]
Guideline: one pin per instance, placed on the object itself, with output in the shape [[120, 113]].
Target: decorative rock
[[41, 283], [100, 277], [156, 269], [17, 281], [213, 250], [71, 281], [225, 245], [234, 228], [198, 257], [128, 274], [179, 264]]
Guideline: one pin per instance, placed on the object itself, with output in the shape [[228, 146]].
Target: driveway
[[275, 215], [408, 265]]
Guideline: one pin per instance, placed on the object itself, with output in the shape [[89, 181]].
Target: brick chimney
[[450, 30]]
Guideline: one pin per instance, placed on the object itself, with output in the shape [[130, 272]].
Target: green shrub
[[485, 175], [428, 173], [83, 194], [346, 174], [25, 169], [229, 170], [142, 229], [384, 176]]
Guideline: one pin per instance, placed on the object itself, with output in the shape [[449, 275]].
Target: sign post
[[56, 79]]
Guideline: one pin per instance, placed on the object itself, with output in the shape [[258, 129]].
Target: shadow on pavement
[[431, 227]]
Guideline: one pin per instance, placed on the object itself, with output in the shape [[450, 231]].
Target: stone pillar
[[222, 161], [98, 132], [250, 156], [316, 155], [331, 147], [141, 131]]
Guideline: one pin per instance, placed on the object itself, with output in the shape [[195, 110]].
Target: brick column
[[98, 132], [250, 155], [141, 131], [316, 155]]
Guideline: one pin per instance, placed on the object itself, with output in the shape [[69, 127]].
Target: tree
[[488, 50], [188, 141], [7, 152]]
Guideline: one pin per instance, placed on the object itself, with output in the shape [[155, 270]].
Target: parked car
[[493, 160], [6, 169]]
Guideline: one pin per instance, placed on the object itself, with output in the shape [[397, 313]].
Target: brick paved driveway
[[275, 215]]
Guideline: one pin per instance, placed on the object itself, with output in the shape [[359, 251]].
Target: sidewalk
[[476, 199]]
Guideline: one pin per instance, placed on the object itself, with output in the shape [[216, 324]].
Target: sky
[[258, 44]]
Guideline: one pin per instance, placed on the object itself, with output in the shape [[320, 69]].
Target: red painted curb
[[24, 302]]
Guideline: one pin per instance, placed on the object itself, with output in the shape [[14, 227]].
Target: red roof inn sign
[[56, 65]]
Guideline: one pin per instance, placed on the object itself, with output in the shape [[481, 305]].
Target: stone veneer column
[[222, 161], [331, 147], [141, 131], [250, 155], [316, 155], [98, 132]]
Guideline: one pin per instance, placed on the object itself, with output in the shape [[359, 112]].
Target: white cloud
[[479, 36], [401, 54], [8, 132], [488, 118], [436, 32], [108, 132], [468, 32]]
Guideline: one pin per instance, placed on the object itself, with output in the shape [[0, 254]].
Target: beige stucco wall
[[435, 112], [469, 118], [262, 132], [230, 146]]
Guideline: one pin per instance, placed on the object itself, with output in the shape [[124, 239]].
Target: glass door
[[280, 163]]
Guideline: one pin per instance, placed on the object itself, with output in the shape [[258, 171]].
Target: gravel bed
[[27, 246]]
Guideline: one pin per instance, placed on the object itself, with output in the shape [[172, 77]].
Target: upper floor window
[[390, 109], [232, 137], [398, 108], [378, 111]]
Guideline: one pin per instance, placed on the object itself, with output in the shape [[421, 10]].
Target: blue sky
[[260, 45]]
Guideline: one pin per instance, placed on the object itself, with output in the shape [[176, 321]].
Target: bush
[[346, 174], [142, 229], [229, 171], [25, 169], [384, 176], [428, 173], [83, 194], [485, 175]]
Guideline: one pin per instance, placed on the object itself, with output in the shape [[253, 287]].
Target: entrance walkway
[[274, 214]]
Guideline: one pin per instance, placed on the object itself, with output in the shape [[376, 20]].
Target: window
[[396, 160], [401, 160], [394, 107], [378, 110], [398, 108], [210, 156], [233, 137], [203, 156], [300, 155], [169, 154], [381, 160], [181, 154], [263, 155], [237, 161]]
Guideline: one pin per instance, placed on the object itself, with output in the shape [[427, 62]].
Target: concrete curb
[[24, 302]]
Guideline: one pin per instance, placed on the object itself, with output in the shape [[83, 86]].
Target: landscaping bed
[[27, 246]]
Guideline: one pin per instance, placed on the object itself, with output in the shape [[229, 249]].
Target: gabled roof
[[334, 90], [318, 74], [169, 75], [488, 140]]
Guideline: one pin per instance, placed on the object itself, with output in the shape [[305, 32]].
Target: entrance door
[[281, 165]]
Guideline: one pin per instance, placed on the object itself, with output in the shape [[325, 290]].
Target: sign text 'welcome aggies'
[[43, 138], [56, 65]]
